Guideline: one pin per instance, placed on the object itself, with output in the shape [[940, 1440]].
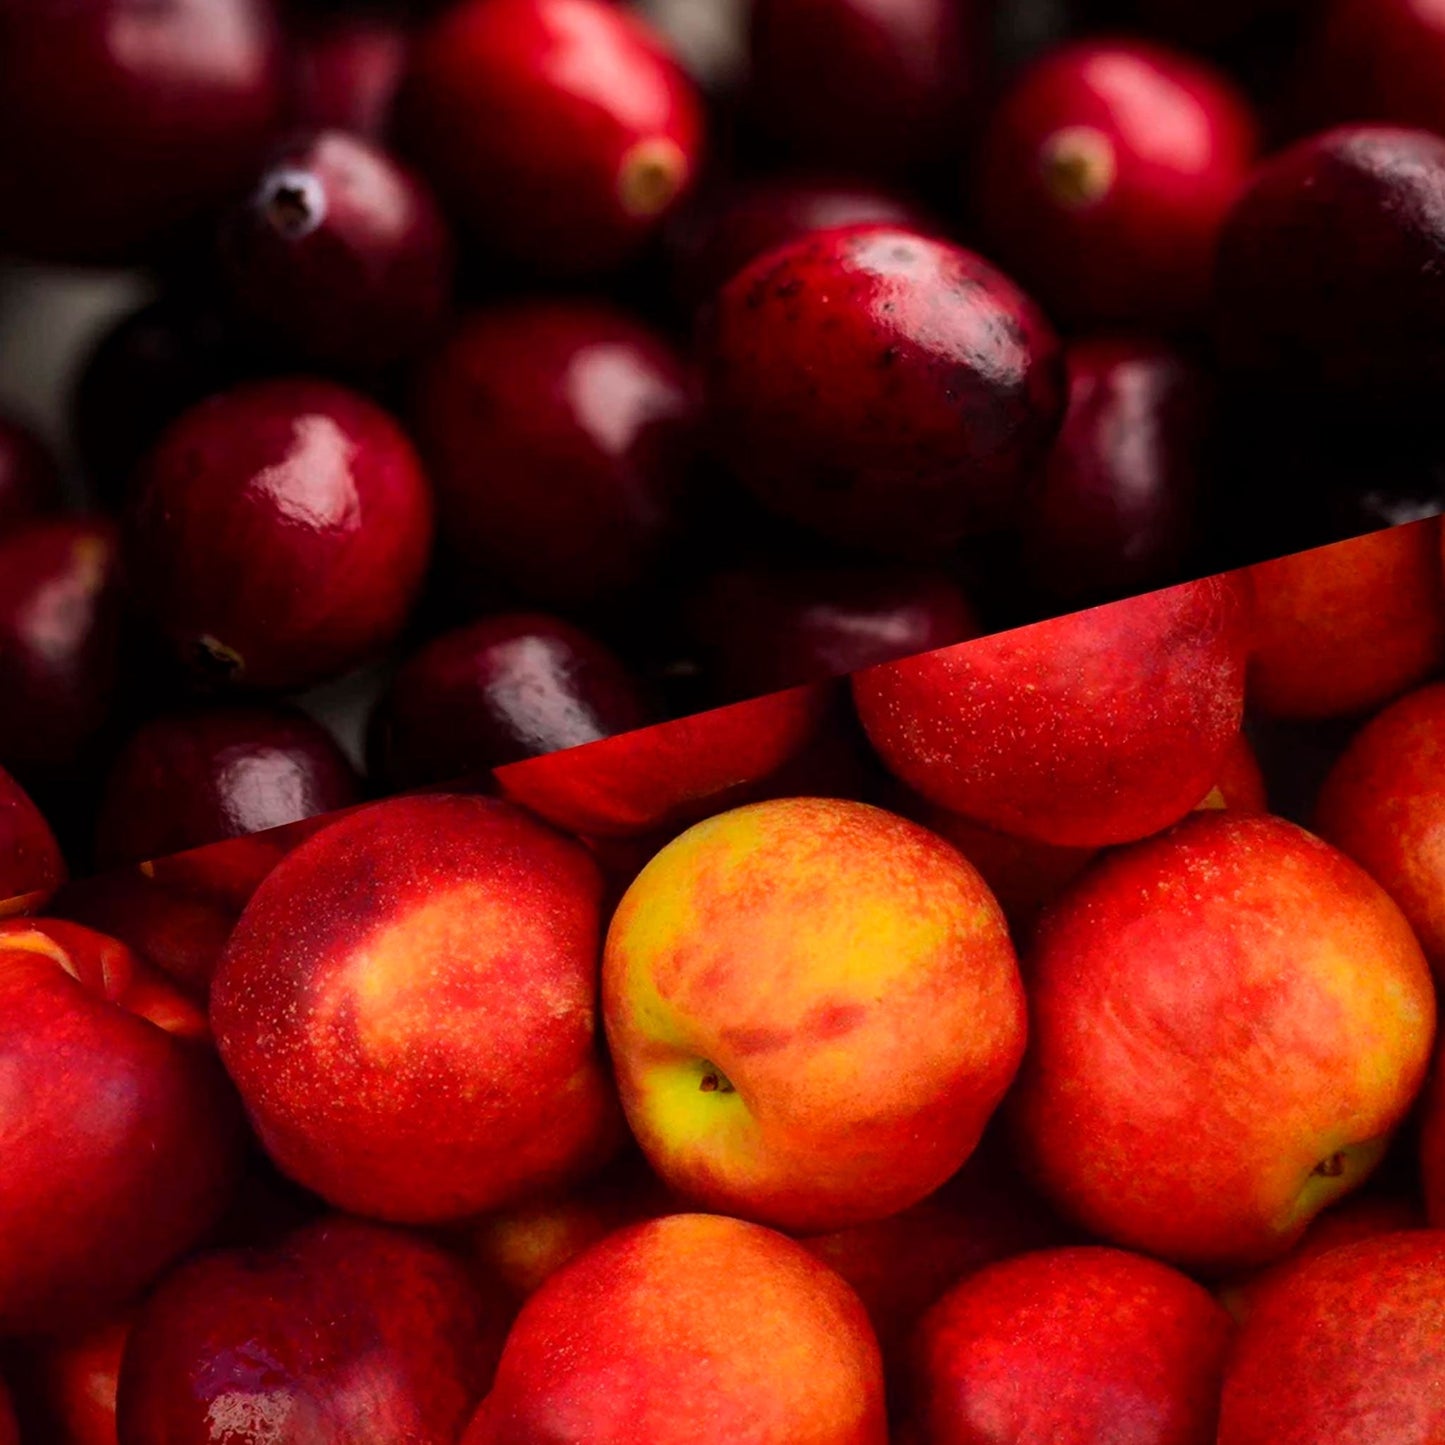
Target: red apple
[[1342, 629], [31, 866], [120, 1137], [1350, 1352], [688, 1328], [813, 1008], [1229, 1022], [73, 1381], [345, 1332], [1087, 730], [409, 1008], [1073, 1347]]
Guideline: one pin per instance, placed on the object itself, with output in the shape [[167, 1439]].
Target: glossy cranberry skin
[[279, 533], [1104, 175], [560, 437], [882, 388], [560, 132], [60, 625], [764, 628], [715, 239], [340, 254], [495, 692], [1330, 284], [125, 118], [31, 868], [855, 84], [344, 72], [1117, 509], [187, 779], [29, 480]]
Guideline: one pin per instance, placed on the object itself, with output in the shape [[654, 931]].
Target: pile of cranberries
[[567, 376]]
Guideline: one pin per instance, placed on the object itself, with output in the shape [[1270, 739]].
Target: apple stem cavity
[[1333, 1167], [714, 1081]]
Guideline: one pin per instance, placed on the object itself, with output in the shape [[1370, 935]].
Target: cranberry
[[1105, 174], [125, 118], [495, 692], [1376, 60], [1117, 509], [883, 388], [852, 83], [560, 131], [560, 436], [764, 628], [31, 868], [60, 605], [29, 480], [340, 253], [187, 779], [713, 241], [279, 533], [345, 70], [1330, 284]]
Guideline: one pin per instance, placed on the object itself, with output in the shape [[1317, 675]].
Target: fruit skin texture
[[560, 436], [882, 388], [408, 1006], [183, 780], [1234, 992], [559, 132], [1299, 308], [131, 117], [29, 480], [689, 1328], [340, 253], [1383, 803], [1342, 629], [813, 1008], [1350, 1352], [1072, 1346], [1105, 175], [121, 1138], [344, 1332], [497, 691], [1097, 728], [279, 533], [31, 865]]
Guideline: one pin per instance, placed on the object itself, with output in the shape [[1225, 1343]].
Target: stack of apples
[[962, 1055]]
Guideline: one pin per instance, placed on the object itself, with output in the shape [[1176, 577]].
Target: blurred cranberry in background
[[340, 254], [560, 436], [560, 133], [31, 868], [123, 119], [344, 71], [1104, 175], [29, 479], [497, 691], [1117, 511]]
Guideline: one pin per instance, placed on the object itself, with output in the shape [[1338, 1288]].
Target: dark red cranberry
[[864, 86], [345, 70], [765, 628], [60, 610], [561, 132], [1376, 60], [29, 479], [560, 437], [187, 779], [495, 692], [124, 118], [714, 240], [1118, 506], [144, 372], [883, 388], [1105, 174], [340, 254], [279, 533], [31, 868], [1330, 283]]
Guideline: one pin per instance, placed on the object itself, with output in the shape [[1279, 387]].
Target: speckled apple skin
[[849, 974], [408, 1006]]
